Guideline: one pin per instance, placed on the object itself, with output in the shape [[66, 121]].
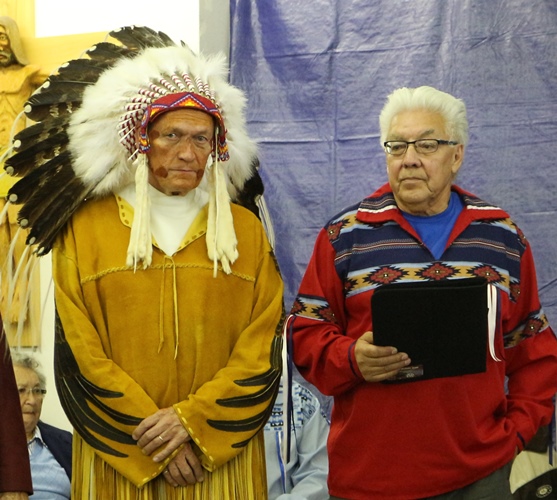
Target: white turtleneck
[[171, 216]]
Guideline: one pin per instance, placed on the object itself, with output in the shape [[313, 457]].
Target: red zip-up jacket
[[425, 438]]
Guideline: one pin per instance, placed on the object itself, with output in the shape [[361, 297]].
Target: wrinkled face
[[6, 55], [181, 142], [31, 405], [421, 183]]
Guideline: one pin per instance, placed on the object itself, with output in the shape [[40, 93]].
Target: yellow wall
[[48, 52]]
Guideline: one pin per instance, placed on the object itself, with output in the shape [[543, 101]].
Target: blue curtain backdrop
[[317, 73]]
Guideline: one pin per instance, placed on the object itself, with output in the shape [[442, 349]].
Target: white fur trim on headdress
[[121, 95]]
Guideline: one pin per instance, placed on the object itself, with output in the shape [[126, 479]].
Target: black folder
[[441, 325]]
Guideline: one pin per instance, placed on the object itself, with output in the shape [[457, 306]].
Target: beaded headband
[[183, 100]]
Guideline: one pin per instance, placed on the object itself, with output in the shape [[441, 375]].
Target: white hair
[[452, 110], [24, 360]]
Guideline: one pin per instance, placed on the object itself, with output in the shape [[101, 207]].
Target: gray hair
[[25, 360], [15, 39], [452, 110]]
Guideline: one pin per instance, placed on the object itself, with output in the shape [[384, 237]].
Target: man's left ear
[[458, 158]]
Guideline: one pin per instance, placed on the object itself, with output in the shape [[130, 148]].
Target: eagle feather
[[141, 37]]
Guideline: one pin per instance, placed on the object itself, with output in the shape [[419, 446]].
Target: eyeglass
[[422, 146], [36, 391]]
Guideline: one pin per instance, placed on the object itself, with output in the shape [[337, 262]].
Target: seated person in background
[[304, 477], [50, 448]]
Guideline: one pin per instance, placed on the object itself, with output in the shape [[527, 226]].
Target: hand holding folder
[[441, 325]]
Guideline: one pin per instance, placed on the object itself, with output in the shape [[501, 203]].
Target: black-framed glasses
[[36, 391], [422, 146]]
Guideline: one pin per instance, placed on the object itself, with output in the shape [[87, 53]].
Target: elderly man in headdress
[[168, 296]]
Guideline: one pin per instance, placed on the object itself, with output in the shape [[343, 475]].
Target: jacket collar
[[381, 207]]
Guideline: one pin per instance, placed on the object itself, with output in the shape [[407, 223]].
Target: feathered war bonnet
[[91, 138]]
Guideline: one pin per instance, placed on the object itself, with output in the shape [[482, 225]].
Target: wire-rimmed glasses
[[37, 392], [422, 146]]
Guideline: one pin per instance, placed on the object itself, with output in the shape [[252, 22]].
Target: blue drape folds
[[317, 74]]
